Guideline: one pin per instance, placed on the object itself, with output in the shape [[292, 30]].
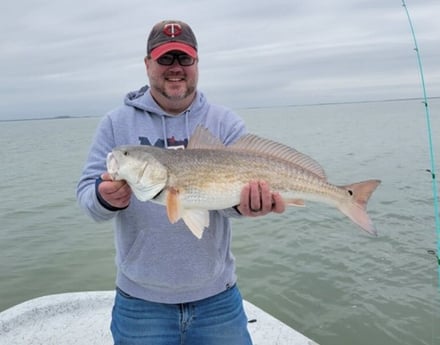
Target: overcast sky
[[79, 58]]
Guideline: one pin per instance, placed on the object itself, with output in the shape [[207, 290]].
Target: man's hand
[[257, 200], [115, 193]]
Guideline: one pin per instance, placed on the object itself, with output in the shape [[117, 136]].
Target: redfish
[[208, 175]]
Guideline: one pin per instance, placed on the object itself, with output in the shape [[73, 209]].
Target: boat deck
[[84, 318]]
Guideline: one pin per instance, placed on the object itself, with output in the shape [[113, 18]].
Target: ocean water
[[310, 267]]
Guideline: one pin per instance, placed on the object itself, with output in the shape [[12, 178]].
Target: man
[[172, 288]]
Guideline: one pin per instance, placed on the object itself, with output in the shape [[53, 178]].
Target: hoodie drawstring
[[164, 128], [164, 132], [187, 125]]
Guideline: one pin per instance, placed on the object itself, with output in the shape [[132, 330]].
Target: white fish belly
[[217, 197]]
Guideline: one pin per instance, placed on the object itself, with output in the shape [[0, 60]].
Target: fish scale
[[210, 176]]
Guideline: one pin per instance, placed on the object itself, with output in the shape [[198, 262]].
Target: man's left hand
[[258, 200]]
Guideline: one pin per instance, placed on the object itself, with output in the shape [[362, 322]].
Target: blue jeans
[[217, 320]]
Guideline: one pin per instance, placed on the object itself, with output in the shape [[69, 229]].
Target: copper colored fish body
[[209, 176]]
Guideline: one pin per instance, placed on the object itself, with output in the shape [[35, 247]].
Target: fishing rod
[[430, 141]]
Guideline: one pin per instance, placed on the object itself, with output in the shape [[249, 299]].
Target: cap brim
[[170, 46]]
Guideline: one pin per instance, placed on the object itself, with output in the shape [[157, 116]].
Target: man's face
[[172, 82]]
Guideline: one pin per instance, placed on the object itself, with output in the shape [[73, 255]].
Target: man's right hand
[[115, 193]]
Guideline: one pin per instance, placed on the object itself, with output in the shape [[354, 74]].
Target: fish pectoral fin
[[196, 220], [173, 205], [295, 202]]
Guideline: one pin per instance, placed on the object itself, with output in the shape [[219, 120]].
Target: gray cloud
[[81, 57]]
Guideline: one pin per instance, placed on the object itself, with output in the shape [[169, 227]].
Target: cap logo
[[172, 30]]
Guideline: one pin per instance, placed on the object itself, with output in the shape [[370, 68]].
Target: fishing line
[[431, 145]]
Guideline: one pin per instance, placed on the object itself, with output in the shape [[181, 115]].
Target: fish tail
[[356, 210]]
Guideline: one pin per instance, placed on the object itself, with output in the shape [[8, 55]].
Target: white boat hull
[[84, 318]]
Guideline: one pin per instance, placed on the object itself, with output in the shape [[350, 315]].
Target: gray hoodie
[[156, 260]]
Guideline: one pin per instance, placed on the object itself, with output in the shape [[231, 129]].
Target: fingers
[[258, 200], [278, 204], [106, 177], [116, 193]]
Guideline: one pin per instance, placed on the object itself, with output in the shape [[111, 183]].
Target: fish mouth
[[112, 165]]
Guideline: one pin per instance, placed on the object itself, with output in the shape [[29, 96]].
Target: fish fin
[[295, 202], [256, 144], [196, 220], [145, 193], [202, 138], [173, 205], [356, 210]]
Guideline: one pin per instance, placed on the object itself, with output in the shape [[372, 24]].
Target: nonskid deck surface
[[84, 318]]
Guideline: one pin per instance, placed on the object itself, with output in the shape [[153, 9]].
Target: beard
[[176, 95], [179, 89]]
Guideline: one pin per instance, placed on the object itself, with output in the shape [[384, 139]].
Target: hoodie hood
[[141, 99]]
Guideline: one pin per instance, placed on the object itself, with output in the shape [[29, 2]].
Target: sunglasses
[[183, 59]]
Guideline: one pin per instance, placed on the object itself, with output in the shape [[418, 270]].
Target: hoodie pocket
[[128, 266], [177, 263]]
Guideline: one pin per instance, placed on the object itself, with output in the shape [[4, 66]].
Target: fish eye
[[125, 153], [350, 192]]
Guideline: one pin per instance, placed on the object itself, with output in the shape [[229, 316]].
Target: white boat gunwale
[[84, 318]]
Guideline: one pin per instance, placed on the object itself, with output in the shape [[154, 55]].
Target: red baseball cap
[[171, 35]]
